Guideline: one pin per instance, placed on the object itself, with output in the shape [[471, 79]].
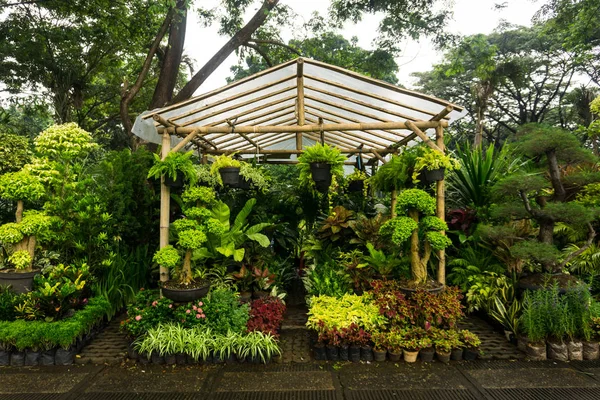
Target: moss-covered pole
[[440, 207], [165, 205]]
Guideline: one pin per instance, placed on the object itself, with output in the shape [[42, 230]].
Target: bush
[[42, 335], [342, 312], [266, 315]]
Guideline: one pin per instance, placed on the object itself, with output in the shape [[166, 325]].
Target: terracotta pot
[[410, 356]]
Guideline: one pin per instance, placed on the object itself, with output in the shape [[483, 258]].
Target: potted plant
[[422, 228], [431, 164], [319, 164], [263, 279], [472, 343], [444, 342], [410, 348], [356, 181], [176, 167], [380, 345], [190, 233], [227, 170], [252, 176], [244, 280], [394, 346], [19, 239], [456, 354]]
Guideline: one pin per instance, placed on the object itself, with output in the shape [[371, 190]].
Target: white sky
[[470, 17]]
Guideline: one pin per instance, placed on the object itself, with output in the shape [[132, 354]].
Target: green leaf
[[261, 239]]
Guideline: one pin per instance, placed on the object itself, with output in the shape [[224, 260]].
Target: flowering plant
[[146, 312], [190, 315], [266, 315]]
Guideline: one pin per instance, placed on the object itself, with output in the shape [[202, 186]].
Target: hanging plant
[[432, 164], [226, 169], [320, 165], [253, 175], [357, 181], [176, 167]]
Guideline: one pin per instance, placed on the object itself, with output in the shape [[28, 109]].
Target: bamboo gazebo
[[275, 113]]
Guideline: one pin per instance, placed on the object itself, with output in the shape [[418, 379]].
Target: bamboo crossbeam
[[263, 141], [367, 94], [307, 128], [184, 143], [442, 114], [410, 125], [437, 117], [227, 141], [349, 140], [379, 157]]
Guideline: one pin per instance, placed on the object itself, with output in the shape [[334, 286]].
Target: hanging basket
[[433, 175], [323, 186], [320, 171], [243, 184], [176, 183], [356, 186], [230, 176]]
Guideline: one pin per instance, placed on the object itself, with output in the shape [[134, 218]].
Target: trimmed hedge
[[41, 335]]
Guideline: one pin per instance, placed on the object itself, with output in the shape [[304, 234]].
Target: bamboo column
[[300, 100], [165, 206], [441, 205]]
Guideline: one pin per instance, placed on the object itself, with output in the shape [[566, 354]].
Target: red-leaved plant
[[266, 315]]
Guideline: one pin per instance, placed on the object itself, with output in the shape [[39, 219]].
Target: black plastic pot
[[47, 357], [320, 171], [433, 175], [366, 353], [4, 358], [185, 295], [427, 355], [456, 355], [132, 353], [395, 357], [20, 282], [323, 186], [180, 359], [170, 359], [240, 358], [379, 356], [32, 357], [217, 359], [320, 353], [17, 358], [354, 353], [156, 358], [143, 359], [230, 176], [443, 357], [333, 353], [191, 360], [64, 357], [175, 183], [356, 186], [471, 354], [344, 352], [243, 183]]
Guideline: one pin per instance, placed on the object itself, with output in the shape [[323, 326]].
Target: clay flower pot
[[410, 356]]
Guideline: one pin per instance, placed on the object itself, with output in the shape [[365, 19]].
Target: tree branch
[[276, 43], [588, 243], [241, 37], [262, 53]]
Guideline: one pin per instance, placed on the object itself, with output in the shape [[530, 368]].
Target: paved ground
[[489, 380]]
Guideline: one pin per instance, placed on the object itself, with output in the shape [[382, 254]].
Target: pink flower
[[198, 316], [200, 303], [203, 316], [200, 310], [154, 303], [170, 305], [194, 308], [187, 311], [138, 317]]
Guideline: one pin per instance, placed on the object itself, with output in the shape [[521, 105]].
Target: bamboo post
[[441, 205], [300, 89], [165, 206]]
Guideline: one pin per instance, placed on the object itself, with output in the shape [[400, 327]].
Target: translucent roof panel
[[330, 95]]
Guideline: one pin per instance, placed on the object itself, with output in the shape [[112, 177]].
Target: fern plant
[[321, 153], [173, 164]]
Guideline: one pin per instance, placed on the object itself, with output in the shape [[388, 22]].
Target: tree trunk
[[478, 128], [559, 190], [19, 213], [186, 271], [419, 274], [241, 37], [31, 249], [546, 234], [169, 70], [393, 203]]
